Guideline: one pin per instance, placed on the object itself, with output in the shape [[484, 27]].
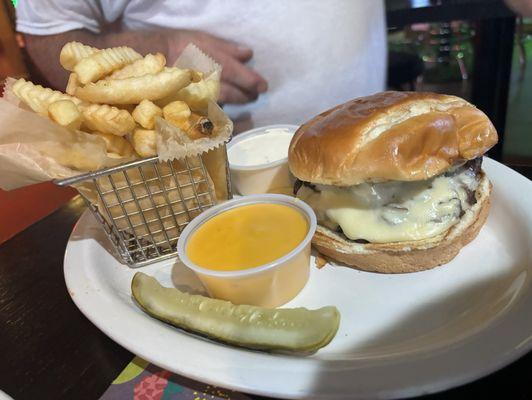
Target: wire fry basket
[[144, 205]]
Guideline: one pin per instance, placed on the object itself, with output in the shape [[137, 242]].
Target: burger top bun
[[400, 136]]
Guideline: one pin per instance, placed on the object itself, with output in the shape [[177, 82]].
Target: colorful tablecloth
[[141, 380]]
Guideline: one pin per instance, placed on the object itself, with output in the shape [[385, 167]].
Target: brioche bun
[[401, 257], [394, 136], [400, 136]]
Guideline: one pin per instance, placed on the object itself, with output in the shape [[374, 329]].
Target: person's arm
[[240, 84], [522, 7]]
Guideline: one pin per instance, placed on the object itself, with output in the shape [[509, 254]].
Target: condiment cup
[[271, 177], [268, 285]]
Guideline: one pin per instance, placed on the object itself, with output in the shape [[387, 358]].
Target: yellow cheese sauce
[[247, 237]]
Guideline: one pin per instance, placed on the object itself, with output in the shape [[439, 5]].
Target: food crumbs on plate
[[320, 261]]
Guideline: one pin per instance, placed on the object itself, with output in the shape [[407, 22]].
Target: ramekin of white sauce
[[258, 160]]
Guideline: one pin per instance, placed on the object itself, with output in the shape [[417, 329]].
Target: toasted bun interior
[[413, 256], [403, 136]]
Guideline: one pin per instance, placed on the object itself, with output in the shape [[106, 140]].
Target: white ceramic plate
[[400, 335]]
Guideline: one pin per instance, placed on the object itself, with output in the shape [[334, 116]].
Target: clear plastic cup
[[268, 285], [271, 177]]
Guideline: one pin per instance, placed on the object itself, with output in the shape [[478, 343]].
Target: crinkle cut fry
[[107, 119], [134, 90], [102, 118], [73, 52], [104, 62], [150, 64], [38, 98]]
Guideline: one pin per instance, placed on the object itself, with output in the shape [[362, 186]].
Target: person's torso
[[313, 53]]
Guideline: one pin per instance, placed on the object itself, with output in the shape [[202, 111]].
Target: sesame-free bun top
[[400, 136]]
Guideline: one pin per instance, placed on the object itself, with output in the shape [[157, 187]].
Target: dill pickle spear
[[293, 330]]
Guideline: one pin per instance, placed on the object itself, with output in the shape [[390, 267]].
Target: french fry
[[134, 90], [150, 64], [73, 83], [128, 107], [177, 113], [116, 144], [116, 92], [65, 113], [195, 126], [145, 114], [73, 52], [107, 119], [39, 98], [101, 118], [103, 62], [198, 94], [144, 142], [200, 127], [196, 76]]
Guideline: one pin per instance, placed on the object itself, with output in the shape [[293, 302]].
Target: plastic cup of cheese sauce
[[258, 160], [252, 250]]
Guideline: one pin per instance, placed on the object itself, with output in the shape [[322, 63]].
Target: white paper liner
[[28, 168], [8, 94], [41, 150], [174, 143], [33, 149], [193, 58]]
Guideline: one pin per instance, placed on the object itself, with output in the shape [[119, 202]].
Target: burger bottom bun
[[402, 257]]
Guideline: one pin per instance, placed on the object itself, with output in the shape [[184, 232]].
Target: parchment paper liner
[[173, 143], [33, 149]]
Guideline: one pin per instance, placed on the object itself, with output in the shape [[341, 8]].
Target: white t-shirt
[[314, 54]]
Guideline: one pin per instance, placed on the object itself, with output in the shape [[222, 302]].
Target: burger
[[395, 179]]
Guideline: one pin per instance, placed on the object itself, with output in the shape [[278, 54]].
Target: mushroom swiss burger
[[395, 179]]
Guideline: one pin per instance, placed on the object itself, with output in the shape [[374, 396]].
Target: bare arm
[[240, 83], [523, 7]]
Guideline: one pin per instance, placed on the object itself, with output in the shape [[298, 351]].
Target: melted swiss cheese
[[393, 211]]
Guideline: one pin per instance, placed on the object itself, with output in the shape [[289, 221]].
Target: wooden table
[[49, 350]]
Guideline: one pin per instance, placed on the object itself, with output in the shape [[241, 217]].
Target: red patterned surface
[[22, 207]]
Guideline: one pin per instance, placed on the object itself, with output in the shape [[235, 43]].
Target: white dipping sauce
[[262, 148]]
